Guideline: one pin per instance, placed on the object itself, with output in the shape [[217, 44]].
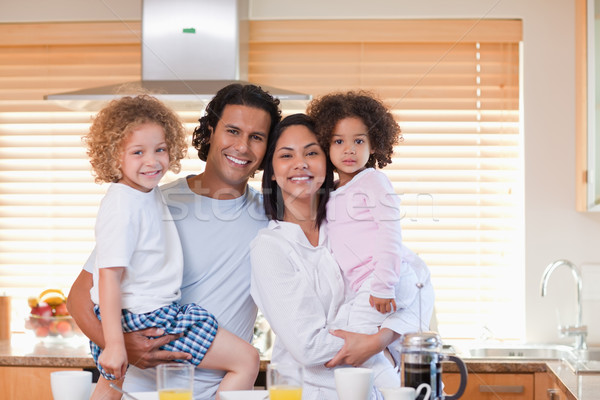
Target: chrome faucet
[[579, 330]]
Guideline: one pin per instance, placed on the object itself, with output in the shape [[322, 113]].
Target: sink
[[581, 362], [586, 361], [522, 352]]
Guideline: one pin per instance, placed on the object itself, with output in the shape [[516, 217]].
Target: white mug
[[71, 385], [353, 383], [405, 393]]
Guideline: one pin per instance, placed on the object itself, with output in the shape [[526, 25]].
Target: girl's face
[[145, 157], [349, 149], [299, 164]]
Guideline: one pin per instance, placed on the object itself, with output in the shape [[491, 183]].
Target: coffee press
[[421, 362]]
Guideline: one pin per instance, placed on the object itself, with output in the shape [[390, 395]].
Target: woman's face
[[299, 164]]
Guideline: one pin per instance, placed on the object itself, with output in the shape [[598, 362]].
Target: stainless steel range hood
[[190, 49]]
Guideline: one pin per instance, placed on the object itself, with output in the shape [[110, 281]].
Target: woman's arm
[[359, 347], [142, 346]]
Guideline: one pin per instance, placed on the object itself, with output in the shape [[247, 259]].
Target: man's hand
[[143, 348], [384, 306]]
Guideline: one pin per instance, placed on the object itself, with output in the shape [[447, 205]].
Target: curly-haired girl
[[138, 262], [363, 216]]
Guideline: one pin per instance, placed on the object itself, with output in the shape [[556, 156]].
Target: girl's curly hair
[[117, 120], [383, 130]]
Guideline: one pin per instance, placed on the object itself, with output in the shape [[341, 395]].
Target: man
[[217, 215]]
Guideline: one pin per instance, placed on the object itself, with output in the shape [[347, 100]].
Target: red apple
[[42, 310]]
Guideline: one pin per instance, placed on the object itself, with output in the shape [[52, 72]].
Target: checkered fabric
[[198, 326]]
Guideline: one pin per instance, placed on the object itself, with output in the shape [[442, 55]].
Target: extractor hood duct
[[190, 50]]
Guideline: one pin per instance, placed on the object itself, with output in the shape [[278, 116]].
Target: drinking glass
[[284, 381], [175, 381]]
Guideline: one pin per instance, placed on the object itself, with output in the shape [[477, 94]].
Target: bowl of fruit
[[49, 318]]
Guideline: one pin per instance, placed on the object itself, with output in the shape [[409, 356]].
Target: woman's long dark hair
[[273, 200]]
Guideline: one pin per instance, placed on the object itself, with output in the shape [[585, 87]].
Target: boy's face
[[237, 146], [350, 148], [145, 157]]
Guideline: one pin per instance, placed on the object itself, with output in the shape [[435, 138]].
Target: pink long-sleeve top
[[363, 220]]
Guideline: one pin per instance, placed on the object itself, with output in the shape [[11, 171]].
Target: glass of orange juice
[[284, 381], [175, 381]]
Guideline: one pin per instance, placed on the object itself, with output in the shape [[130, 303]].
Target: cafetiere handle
[[462, 368]]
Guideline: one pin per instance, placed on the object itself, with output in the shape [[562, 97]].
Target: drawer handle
[[501, 389], [553, 394]]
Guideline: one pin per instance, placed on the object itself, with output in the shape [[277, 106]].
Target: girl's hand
[[114, 361], [384, 306]]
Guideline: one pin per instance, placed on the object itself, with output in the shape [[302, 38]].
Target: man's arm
[[81, 307], [142, 346]]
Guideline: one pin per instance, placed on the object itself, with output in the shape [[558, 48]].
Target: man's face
[[237, 145]]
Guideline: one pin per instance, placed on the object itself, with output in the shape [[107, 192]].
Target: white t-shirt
[[215, 238], [134, 230]]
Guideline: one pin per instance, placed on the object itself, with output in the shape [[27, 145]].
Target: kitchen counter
[[22, 350]]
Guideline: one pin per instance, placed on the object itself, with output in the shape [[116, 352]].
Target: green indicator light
[[189, 30]]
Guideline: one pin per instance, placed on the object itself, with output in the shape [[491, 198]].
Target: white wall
[[553, 229]]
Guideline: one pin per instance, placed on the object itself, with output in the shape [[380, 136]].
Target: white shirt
[[300, 290], [134, 230]]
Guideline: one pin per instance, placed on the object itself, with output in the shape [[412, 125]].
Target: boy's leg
[[237, 357], [104, 392]]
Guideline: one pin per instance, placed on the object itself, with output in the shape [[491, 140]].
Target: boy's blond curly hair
[[117, 120]]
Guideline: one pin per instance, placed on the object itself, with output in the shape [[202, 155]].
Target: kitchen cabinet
[[508, 386], [546, 388], [490, 386], [27, 383]]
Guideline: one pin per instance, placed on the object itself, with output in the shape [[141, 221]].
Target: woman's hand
[[143, 348], [359, 347]]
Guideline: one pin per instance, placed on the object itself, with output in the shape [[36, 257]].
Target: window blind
[[453, 86], [454, 89]]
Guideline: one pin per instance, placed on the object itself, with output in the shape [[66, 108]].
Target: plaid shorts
[[198, 326]]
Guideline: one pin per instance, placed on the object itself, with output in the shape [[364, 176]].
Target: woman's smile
[[299, 163]]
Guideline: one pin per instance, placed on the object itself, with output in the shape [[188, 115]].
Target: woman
[[295, 280]]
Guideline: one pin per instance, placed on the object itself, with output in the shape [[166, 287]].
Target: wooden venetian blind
[[48, 199], [454, 88]]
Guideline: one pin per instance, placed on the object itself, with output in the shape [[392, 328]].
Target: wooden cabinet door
[[547, 389], [492, 386], [27, 383]]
